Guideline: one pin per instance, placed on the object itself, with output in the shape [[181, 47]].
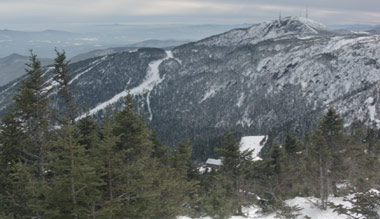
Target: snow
[[212, 91], [240, 100], [14, 84], [92, 66], [216, 162], [372, 110], [267, 30], [208, 94], [253, 143], [339, 42], [308, 205], [148, 104], [311, 23], [305, 38], [203, 170], [152, 78], [245, 121]]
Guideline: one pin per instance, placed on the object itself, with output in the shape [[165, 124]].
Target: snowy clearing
[[308, 209], [253, 143]]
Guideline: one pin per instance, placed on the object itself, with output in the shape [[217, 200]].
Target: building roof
[[216, 162]]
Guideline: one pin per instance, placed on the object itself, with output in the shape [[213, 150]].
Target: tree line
[[54, 165]]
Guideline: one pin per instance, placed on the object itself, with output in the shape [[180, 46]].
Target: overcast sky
[[59, 12]]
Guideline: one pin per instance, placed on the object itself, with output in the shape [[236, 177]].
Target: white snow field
[[255, 143], [308, 206]]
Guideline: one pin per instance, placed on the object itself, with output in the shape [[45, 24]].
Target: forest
[[54, 165]]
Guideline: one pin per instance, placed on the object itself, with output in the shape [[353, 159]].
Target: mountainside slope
[[12, 67], [273, 77]]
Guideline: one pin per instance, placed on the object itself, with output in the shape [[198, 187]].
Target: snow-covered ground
[[308, 206], [253, 143]]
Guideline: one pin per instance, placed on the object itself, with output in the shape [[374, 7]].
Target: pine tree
[[24, 137], [230, 153], [216, 201], [31, 108], [111, 169], [321, 162], [331, 127], [133, 133], [292, 171], [73, 190], [87, 132], [62, 76], [234, 169]]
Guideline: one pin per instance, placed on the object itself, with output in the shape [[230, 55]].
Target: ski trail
[[152, 79]]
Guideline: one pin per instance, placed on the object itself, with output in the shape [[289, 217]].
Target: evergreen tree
[[31, 108], [216, 199], [234, 169], [87, 132], [331, 127], [62, 77], [73, 190], [292, 171], [24, 137], [321, 162], [111, 169]]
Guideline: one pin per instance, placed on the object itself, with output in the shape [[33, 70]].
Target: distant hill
[[87, 38], [374, 31], [159, 43], [13, 66], [164, 44]]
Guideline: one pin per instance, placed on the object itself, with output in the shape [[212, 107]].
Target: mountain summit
[[288, 27]]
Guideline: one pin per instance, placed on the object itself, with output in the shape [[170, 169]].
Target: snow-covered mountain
[[273, 77]]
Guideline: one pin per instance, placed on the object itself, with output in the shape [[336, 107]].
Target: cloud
[[186, 11]]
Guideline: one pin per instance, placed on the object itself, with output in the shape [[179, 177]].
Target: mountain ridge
[[271, 83]]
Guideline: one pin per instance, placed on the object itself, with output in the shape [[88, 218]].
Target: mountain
[[85, 38], [167, 44], [352, 27], [159, 43], [13, 66], [267, 79], [374, 30]]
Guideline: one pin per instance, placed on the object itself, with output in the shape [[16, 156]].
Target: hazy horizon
[[71, 14]]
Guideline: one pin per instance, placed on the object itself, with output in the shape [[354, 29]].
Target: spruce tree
[[331, 127], [24, 142], [31, 107], [74, 186], [62, 76], [110, 167], [292, 171], [234, 169], [321, 162]]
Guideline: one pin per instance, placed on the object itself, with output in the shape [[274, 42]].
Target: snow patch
[[148, 104], [92, 64], [307, 204], [211, 92], [253, 143], [372, 110], [240, 100]]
